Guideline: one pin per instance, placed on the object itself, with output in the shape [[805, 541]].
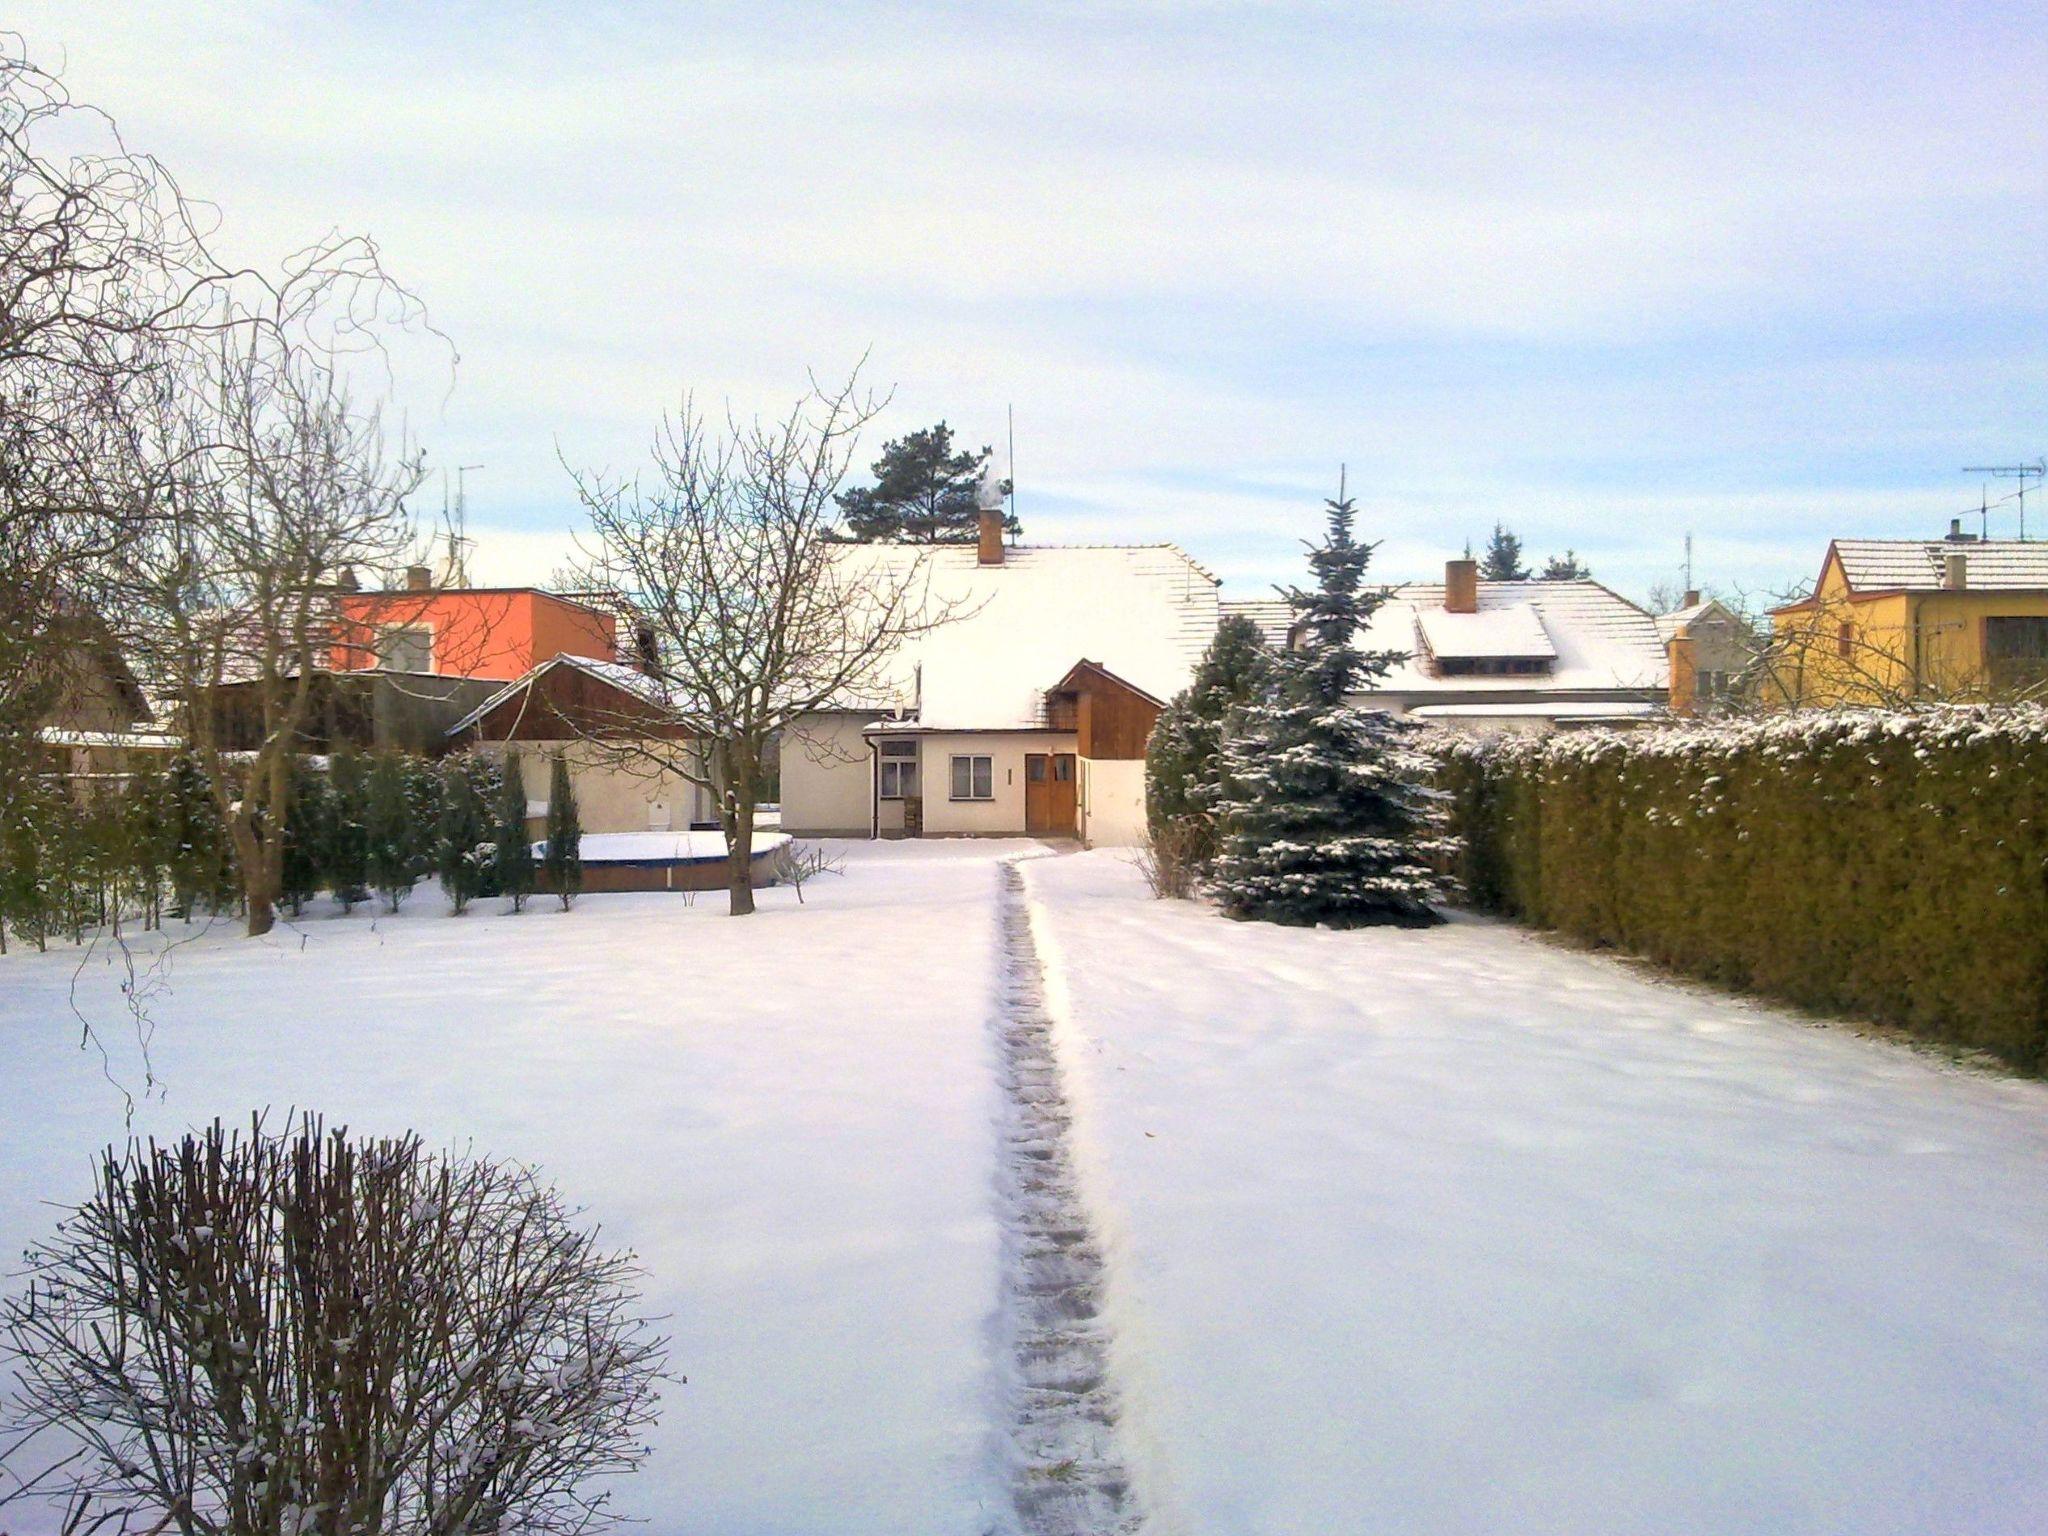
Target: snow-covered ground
[[1435, 1232], [788, 1117], [1455, 1231]]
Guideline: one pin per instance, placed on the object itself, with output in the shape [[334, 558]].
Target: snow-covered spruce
[[1069, 1477], [1328, 815]]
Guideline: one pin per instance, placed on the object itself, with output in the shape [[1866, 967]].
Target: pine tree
[[423, 800], [346, 861], [1567, 567], [561, 857], [465, 847], [305, 835], [1327, 817], [1503, 558], [393, 836], [924, 492], [515, 853], [149, 848], [1184, 758]]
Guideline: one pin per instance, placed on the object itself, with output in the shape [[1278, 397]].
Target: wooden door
[[1050, 794]]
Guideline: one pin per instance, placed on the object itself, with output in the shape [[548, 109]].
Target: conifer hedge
[[1890, 866]]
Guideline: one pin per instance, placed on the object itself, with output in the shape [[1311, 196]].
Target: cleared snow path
[[1070, 1475]]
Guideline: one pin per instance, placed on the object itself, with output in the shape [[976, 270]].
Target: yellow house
[[1892, 621]]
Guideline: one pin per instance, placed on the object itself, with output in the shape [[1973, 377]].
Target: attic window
[[406, 649], [1494, 666]]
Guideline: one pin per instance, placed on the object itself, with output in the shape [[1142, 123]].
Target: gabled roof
[[627, 679], [1679, 620], [1274, 616], [1145, 612], [1915, 565], [1084, 669], [1602, 641]]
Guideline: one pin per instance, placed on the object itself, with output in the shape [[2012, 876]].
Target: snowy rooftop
[[1673, 624], [620, 675], [1274, 616], [1514, 630], [1600, 639], [1145, 612], [1916, 564]]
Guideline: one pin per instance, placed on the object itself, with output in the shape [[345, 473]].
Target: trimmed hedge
[[1891, 866]]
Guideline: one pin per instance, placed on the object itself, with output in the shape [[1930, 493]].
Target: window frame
[[987, 768], [389, 632]]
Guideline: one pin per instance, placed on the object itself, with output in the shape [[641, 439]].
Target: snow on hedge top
[[1793, 732], [1600, 639], [1916, 564], [1145, 612]]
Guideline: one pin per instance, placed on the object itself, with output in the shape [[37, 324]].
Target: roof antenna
[[2020, 472], [1011, 412], [1688, 562]]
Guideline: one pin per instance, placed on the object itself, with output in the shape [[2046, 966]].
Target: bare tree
[[749, 610], [286, 1334]]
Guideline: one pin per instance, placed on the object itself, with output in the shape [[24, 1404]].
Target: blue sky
[[1607, 272]]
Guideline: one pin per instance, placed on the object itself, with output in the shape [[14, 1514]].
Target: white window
[[899, 770], [410, 649], [974, 778]]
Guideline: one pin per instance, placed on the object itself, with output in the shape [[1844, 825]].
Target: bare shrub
[[283, 1334], [1170, 859], [797, 862]]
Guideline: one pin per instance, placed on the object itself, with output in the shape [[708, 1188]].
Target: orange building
[[498, 633]]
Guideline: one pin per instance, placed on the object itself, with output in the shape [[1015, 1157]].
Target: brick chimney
[[1461, 586], [990, 547], [419, 578], [1685, 677], [1955, 571], [1692, 598]]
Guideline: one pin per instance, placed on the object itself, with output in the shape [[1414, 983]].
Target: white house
[[1026, 713], [1495, 656]]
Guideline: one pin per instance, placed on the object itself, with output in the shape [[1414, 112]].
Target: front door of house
[[1049, 799]]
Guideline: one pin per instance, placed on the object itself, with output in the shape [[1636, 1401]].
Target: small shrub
[[260, 1335], [1171, 859]]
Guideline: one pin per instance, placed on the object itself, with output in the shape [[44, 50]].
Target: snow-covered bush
[[1889, 864], [258, 1335]]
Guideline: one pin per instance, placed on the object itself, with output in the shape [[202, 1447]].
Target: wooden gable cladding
[[1111, 718], [561, 703]]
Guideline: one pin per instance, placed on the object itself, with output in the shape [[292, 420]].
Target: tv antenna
[[458, 528], [2020, 472]]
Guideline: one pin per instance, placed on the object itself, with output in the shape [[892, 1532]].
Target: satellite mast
[[458, 530], [1688, 562]]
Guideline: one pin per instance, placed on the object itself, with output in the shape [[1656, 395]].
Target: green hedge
[[1891, 866]]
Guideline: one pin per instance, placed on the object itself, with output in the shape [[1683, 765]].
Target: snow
[[1456, 1231], [1428, 1232], [645, 847], [1602, 640], [795, 1139], [1515, 629]]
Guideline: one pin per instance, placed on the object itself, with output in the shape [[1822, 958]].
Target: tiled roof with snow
[[1673, 624], [1601, 640], [1274, 616], [1143, 612], [1511, 630], [1874, 565]]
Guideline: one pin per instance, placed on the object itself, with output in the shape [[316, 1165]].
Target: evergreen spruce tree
[[561, 856], [1327, 816], [423, 799], [1567, 567], [1184, 758], [393, 853], [305, 835], [465, 846], [149, 850], [346, 857], [1503, 558], [515, 853], [201, 864]]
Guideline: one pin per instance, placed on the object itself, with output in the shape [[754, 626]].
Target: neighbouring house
[[608, 720], [1497, 656], [94, 722], [1712, 652], [405, 665], [1026, 714], [500, 633], [1892, 621]]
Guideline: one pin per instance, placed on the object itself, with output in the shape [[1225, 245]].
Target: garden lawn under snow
[[788, 1116], [1456, 1231]]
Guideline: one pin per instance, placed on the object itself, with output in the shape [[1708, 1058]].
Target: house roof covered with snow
[[1597, 640], [627, 679], [1916, 565], [1274, 616], [1143, 612]]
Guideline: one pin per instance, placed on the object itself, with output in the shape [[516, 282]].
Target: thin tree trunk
[[739, 859]]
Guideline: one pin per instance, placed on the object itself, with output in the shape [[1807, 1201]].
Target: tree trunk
[[739, 857]]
